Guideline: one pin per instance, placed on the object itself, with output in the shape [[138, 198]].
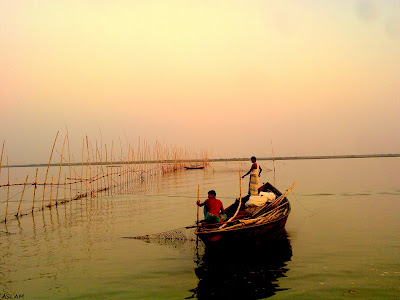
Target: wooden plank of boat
[[265, 224]]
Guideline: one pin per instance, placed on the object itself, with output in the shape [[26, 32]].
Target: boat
[[194, 168], [254, 225]]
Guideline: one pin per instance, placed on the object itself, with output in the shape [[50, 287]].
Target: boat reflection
[[243, 272]]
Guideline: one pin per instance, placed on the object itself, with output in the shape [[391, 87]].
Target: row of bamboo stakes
[[99, 172]]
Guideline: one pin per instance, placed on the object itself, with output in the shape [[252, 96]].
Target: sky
[[234, 77]]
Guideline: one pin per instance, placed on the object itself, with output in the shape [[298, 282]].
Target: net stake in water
[[47, 171], [34, 190], [8, 189], [22, 195]]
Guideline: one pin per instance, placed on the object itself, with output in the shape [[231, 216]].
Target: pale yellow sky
[[315, 77]]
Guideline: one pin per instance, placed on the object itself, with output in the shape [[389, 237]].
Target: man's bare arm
[[251, 169], [201, 204]]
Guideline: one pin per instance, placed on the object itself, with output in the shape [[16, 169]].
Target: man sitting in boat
[[214, 211], [255, 172]]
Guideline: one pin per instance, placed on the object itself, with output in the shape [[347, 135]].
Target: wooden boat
[[194, 168], [262, 224]]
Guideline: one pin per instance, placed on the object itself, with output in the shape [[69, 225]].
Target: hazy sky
[[315, 77]]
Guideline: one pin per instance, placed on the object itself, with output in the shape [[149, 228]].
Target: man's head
[[212, 194], [253, 159]]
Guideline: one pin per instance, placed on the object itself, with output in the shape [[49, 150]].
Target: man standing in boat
[[214, 211], [255, 172]]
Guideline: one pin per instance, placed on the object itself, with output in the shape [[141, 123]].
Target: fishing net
[[183, 234], [182, 238]]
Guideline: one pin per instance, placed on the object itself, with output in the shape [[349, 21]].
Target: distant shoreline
[[311, 157], [222, 160]]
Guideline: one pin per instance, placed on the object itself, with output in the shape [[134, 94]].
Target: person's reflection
[[247, 273]]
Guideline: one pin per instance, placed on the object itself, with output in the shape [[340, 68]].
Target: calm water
[[343, 239]]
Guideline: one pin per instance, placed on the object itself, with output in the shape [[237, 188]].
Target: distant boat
[[264, 223], [194, 168]]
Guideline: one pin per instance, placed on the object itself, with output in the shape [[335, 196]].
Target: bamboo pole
[[1, 158], [8, 189], [139, 158], [34, 190], [76, 182], [111, 160], [265, 217], [149, 158], [51, 189], [22, 195], [101, 170], [90, 169], [86, 171], [273, 159], [126, 161], [65, 188], [125, 175], [240, 201], [47, 170], [198, 208], [240, 184], [125, 172], [83, 147], [101, 158], [103, 183], [97, 168], [128, 166], [76, 173], [69, 163], [59, 172], [133, 166], [122, 167], [146, 153], [108, 181]]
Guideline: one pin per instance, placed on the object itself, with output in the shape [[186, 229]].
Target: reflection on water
[[243, 272]]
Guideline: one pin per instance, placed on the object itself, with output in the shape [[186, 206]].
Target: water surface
[[342, 239]]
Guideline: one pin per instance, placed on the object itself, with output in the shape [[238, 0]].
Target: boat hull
[[257, 234], [194, 168]]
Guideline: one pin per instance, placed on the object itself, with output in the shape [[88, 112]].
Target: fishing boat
[[252, 225], [194, 167]]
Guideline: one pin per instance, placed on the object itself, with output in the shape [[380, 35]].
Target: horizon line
[[301, 157]]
